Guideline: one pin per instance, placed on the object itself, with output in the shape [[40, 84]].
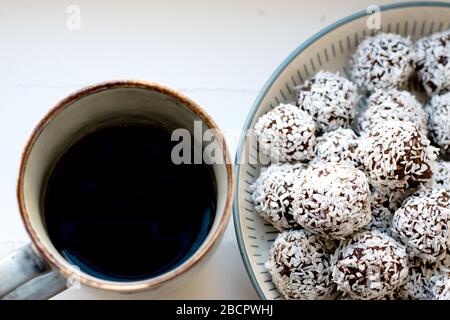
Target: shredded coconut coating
[[273, 194], [384, 105], [441, 175], [330, 99], [381, 219], [381, 206], [299, 263], [439, 121], [445, 260], [332, 200], [370, 265], [397, 156], [391, 200], [441, 289], [423, 224], [382, 62], [432, 62], [286, 134], [337, 146], [419, 283], [347, 297]]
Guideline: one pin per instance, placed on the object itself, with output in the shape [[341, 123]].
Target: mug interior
[[100, 106]]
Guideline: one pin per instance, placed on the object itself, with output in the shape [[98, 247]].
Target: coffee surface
[[117, 206]]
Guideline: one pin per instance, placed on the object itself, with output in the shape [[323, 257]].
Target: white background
[[218, 53]]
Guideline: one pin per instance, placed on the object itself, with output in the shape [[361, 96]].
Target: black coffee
[[116, 206]]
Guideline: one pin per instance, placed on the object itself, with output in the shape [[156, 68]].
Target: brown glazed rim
[[151, 283]]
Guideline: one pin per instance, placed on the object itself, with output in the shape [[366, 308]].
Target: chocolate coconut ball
[[370, 265], [272, 194], [330, 99], [441, 175], [432, 62], [299, 264], [438, 110], [332, 200], [382, 62], [441, 288], [423, 224], [384, 105], [337, 146], [286, 134], [396, 156]]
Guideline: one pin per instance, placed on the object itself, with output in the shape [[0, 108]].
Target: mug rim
[[150, 283]]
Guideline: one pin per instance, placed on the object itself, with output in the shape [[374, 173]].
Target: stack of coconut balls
[[366, 214]]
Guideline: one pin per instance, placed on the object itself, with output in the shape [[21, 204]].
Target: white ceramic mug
[[39, 271]]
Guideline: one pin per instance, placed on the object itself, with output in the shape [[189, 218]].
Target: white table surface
[[218, 53]]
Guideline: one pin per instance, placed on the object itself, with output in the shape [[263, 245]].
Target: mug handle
[[24, 275]]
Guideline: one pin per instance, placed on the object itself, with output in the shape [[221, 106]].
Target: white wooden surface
[[220, 53]]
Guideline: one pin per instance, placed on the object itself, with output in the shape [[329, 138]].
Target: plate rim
[[262, 94]]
